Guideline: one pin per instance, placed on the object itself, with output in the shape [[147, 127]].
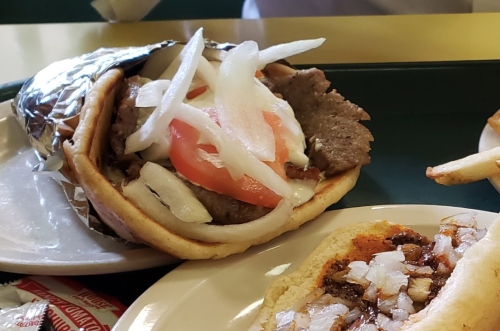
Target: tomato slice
[[182, 155], [196, 92]]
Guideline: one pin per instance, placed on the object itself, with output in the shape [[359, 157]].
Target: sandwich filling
[[382, 293], [244, 140]]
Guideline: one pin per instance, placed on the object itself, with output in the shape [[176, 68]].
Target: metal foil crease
[[47, 103]]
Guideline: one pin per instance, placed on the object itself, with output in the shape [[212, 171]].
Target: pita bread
[[468, 301], [85, 154]]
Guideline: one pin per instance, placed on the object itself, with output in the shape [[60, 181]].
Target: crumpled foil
[[55, 95]]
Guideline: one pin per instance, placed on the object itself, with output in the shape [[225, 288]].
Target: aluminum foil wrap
[[55, 95]]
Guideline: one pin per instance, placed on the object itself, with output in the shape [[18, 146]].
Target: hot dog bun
[[86, 151], [468, 300]]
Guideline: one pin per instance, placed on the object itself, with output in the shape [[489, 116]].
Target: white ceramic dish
[[490, 139], [39, 232], [226, 294]]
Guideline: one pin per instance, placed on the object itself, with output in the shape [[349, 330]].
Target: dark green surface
[[61, 11], [422, 115]]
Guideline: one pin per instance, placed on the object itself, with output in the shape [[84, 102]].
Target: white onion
[[385, 305], [391, 256], [174, 193], [353, 315], [385, 323], [284, 320], [442, 269], [371, 293], [282, 51], [393, 283], [467, 220], [150, 94], [234, 157], [399, 314], [480, 234], [357, 274], [367, 327], [419, 289], [239, 114], [376, 275], [405, 302], [327, 317], [317, 293], [295, 139], [156, 124], [159, 150], [301, 321], [213, 158], [415, 270], [323, 301], [444, 248], [143, 198]]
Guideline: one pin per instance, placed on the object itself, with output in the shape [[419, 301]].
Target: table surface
[[28, 48]]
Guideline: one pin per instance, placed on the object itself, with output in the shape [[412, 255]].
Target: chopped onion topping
[[326, 318], [444, 250], [156, 124], [467, 220], [414, 270], [367, 327], [317, 293], [238, 112], [419, 289], [282, 51], [174, 193], [405, 302], [386, 324], [399, 314], [285, 320], [353, 315]]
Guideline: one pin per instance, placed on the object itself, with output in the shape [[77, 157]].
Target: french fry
[[470, 169], [494, 122]]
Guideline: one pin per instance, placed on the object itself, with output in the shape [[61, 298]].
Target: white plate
[[39, 232], [226, 294], [490, 139]]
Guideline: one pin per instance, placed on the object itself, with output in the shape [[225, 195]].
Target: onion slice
[[282, 51], [156, 124], [238, 110], [234, 156], [137, 192], [150, 94], [174, 193]]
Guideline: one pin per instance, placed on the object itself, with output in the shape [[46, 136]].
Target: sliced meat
[[337, 142], [407, 237], [226, 210], [294, 172], [124, 125]]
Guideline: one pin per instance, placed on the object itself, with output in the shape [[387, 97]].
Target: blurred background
[[62, 11]]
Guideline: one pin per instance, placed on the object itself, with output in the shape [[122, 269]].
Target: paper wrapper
[[48, 106], [68, 304]]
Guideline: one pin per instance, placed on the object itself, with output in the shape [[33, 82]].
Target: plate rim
[[106, 262], [143, 308]]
